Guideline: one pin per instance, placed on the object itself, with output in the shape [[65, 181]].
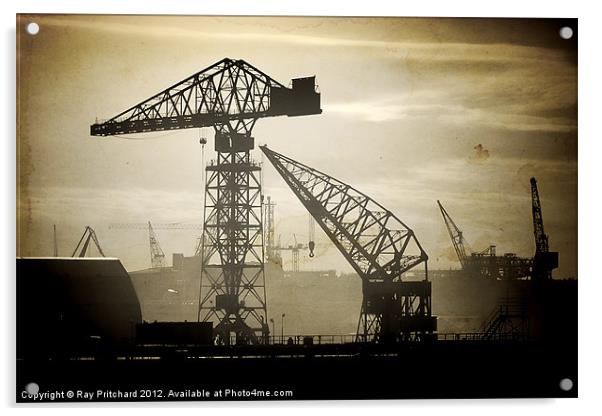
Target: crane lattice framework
[[485, 263], [271, 253], [544, 260], [456, 236], [230, 96], [378, 246], [157, 255]]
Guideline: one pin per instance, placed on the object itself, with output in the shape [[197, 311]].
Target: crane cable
[[312, 244], [202, 141]]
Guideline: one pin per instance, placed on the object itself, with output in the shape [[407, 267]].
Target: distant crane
[[55, 243], [271, 252], [510, 318], [82, 246], [274, 248], [456, 236], [378, 246], [294, 249], [156, 253], [544, 260], [485, 263]]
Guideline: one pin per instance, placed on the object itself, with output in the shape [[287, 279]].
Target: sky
[[414, 110]]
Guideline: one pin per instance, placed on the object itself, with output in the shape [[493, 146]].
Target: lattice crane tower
[[230, 96]]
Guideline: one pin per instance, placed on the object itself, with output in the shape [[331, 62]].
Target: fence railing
[[304, 339], [481, 336], [352, 338]]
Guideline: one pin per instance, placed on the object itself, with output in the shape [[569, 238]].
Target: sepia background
[[414, 110]]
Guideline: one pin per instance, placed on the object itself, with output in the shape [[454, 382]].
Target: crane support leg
[[232, 273], [395, 311]]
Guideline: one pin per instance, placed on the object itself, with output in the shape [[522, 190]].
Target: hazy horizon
[[415, 110]]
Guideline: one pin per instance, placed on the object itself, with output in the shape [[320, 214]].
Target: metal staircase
[[508, 321]]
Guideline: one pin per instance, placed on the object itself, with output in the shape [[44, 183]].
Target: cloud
[[278, 32], [115, 205], [520, 97], [400, 119], [378, 110], [503, 86]]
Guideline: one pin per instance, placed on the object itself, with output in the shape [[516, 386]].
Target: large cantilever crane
[[378, 246], [230, 96], [544, 260]]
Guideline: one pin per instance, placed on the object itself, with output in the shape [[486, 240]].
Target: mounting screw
[[32, 388], [566, 32], [32, 28], [566, 384]]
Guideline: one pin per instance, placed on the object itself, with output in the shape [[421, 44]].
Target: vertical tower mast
[[269, 229], [56, 246]]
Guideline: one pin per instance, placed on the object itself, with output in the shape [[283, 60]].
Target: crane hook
[[311, 245]]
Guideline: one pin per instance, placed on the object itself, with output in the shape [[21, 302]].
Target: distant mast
[[56, 246]]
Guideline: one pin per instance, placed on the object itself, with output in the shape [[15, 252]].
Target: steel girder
[[230, 94]]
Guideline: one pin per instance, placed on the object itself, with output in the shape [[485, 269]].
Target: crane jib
[[210, 99]]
